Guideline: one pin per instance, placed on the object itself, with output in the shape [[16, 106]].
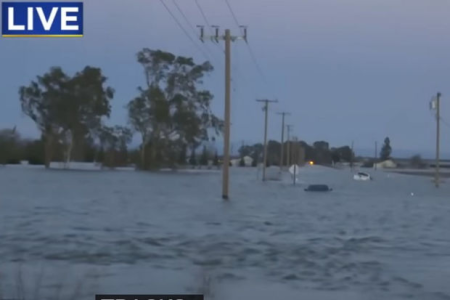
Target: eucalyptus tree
[[172, 110], [67, 108]]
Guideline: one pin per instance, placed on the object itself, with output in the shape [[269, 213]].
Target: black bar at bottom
[[149, 297]]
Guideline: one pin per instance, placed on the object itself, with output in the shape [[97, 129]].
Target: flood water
[[88, 232]]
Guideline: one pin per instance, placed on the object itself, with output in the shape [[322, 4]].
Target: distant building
[[387, 164], [237, 161], [248, 161]]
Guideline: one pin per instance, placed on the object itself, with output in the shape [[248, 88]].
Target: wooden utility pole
[[228, 38], [352, 159], [288, 154], [266, 109], [438, 135], [435, 104], [375, 157], [295, 158], [283, 114]]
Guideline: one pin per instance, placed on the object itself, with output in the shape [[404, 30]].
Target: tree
[[386, 150], [245, 150], [10, 147], [273, 152], [417, 162], [89, 150], [34, 152], [216, 159], [124, 136], [193, 159], [204, 157], [321, 145], [66, 108], [242, 162], [87, 102], [100, 156], [182, 157], [344, 153], [140, 117], [14, 149], [368, 163], [256, 154], [322, 154], [310, 152], [40, 101], [115, 140], [335, 155], [171, 107]]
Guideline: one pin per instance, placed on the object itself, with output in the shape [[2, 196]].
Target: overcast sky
[[345, 69]]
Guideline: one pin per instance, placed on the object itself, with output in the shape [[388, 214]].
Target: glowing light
[[311, 163]]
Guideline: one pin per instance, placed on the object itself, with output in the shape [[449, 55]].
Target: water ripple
[[363, 239]]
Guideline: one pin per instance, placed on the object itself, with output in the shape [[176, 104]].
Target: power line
[[252, 54], [184, 30], [184, 17], [239, 26], [238, 72], [203, 15], [205, 18], [445, 122], [190, 24], [233, 14], [202, 12]]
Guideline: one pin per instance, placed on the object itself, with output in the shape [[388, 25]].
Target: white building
[[237, 161], [387, 164]]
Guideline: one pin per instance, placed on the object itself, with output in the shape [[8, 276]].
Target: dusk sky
[[346, 70]]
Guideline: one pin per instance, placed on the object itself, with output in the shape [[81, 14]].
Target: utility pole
[[283, 114], [435, 105], [228, 38], [288, 154], [375, 157], [295, 159], [266, 109], [352, 159]]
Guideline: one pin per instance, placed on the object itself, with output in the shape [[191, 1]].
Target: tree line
[[171, 113], [14, 149], [297, 152], [301, 152]]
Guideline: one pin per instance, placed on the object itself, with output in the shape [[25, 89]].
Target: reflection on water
[[149, 233]]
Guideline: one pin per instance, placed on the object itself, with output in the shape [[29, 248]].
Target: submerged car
[[318, 188], [362, 176]]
